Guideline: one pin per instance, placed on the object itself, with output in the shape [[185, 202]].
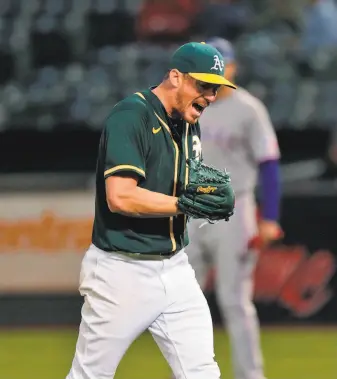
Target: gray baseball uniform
[[237, 134]]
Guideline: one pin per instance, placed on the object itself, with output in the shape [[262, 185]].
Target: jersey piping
[[175, 180], [124, 167], [187, 167]]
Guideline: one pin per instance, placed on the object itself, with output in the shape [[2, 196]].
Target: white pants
[[126, 295], [225, 245]]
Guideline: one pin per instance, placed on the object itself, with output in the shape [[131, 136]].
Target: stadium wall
[[44, 236]]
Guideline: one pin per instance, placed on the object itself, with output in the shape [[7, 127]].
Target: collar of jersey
[[155, 102], [158, 106]]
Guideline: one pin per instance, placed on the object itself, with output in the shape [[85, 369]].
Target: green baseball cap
[[201, 61]]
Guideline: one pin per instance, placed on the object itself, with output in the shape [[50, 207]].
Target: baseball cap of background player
[[202, 62], [224, 47]]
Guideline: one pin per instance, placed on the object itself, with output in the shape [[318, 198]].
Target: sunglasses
[[203, 86]]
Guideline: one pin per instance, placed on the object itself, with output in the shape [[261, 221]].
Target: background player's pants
[[124, 296], [225, 244]]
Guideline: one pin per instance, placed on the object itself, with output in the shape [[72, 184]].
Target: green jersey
[[139, 137]]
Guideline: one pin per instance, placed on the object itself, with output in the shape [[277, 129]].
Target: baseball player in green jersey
[[136, 276]]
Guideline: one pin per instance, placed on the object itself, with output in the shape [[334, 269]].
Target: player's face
[[193, 96]]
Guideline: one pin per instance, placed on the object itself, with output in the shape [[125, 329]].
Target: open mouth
[[198, 107]]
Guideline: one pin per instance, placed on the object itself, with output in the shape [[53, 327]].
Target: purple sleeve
[[270, 189]]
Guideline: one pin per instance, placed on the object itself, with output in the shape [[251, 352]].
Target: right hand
[[269, 231]]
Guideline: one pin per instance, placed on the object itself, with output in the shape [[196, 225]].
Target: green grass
[[289, 354]]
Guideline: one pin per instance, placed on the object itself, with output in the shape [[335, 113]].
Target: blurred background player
[[237, 134]]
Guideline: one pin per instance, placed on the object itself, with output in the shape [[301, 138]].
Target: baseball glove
[[208, 194]]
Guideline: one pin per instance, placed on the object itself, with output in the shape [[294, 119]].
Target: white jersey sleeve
[[262, 136]]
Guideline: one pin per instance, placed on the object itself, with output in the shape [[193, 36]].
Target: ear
[[175, 78]]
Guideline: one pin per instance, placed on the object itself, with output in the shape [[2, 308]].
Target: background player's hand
[[269, 231]]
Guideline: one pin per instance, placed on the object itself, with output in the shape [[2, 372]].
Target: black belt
[[145, 256]]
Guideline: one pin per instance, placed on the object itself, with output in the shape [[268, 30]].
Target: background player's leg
[[235, 264], [234, 295], [121, 300], [197, 253], [184, 332]]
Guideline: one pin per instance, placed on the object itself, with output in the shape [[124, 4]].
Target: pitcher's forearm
[[140, 202]]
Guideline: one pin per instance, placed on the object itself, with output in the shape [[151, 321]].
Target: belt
[[147, 257]]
